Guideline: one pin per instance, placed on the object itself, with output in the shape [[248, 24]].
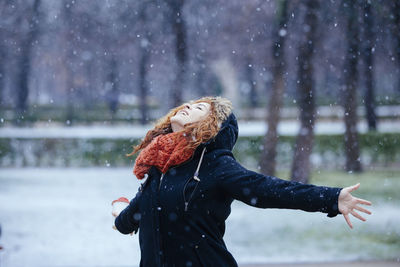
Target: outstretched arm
[[264, 191]]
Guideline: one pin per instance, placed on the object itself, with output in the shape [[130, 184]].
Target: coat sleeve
[[128, 220], [263, 191]]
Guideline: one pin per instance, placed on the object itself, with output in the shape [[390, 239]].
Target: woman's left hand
[[348, 204]]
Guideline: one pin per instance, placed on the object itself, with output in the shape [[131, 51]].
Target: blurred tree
[[198, 38], [249, 72], [2, 69], [349, 93], [179, 27], [72, 59], [201, 86], [139, 21], [396, 35], [114, 24], [368, 55], [29, 38], [144, 53], [88, 31], [143, 85], [268, 155], [113, 82], [306, 94], [3, 33], [68, 37]]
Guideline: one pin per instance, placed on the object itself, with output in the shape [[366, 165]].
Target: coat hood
[[226, 137]]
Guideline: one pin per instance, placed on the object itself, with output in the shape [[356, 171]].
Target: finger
[[363, 210], [363, 201], [346, 217], [354, 187], [115, 228], [358, 216]]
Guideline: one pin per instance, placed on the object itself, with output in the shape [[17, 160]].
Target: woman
[[192, 178]]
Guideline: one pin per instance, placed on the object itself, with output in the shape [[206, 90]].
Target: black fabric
[[171, 236]]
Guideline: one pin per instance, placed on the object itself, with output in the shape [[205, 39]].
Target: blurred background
[[315, 86]]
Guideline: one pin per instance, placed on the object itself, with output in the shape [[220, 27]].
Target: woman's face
[[189, 114]]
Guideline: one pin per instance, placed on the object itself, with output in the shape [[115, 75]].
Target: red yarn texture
[[163, 152]]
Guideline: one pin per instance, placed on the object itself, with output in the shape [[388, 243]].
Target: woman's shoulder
[[220, 158]]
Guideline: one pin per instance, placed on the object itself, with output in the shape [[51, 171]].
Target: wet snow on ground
[[59, 217]]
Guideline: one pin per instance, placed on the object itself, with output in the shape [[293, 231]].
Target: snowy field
[[62, 217], [251, 128]]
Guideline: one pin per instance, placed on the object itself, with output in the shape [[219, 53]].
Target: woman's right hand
[[117, 210], [118, 205]]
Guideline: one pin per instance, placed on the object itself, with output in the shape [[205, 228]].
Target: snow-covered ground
[[251, 128], [62, 217]]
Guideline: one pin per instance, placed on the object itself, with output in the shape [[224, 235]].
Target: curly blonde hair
[[197, 132]]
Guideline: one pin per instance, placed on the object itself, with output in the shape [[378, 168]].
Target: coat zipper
[[159, 224], [182, 164], [191, 195], [158, 205], [196, 178], [159, 185]]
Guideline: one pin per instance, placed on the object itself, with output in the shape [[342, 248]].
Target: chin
[[178, 120]]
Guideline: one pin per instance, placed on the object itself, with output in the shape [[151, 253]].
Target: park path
[[331, 264]]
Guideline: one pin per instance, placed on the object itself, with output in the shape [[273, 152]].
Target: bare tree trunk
[[144, 51], [67, 13], [2, 73], [179, 27], [202, 87], [250, 79], [144, 58], [24, 62], [306, 94], [90, 94], [369, 65], [113, 79], [69, 95], [2, 58], [349, 92], [4, 7], [268, 154], [396, 35]]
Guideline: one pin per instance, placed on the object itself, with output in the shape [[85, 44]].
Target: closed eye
[[201, 106]]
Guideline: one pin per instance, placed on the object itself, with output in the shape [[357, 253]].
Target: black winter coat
[[182, 220]]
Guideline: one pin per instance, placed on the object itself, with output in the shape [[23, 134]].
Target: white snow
[[251, 128], [62, 217]]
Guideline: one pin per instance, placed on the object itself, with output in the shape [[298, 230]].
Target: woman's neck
[[176, 127]]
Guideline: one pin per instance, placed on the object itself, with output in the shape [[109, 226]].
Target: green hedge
[[81, 114], [376, 148]]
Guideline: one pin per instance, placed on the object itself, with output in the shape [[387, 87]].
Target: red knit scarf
[[163, 152]]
